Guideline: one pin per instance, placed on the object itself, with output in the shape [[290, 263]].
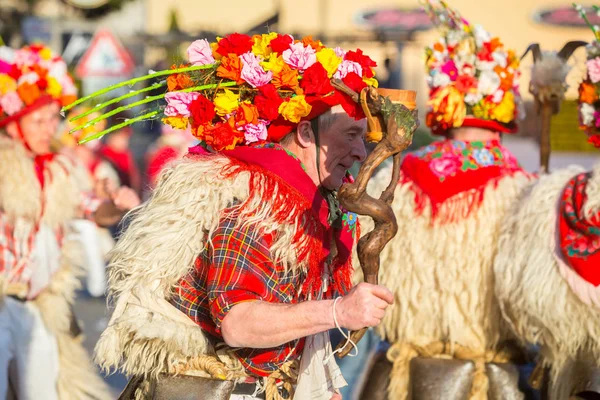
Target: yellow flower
[[261, 44], [505, 111], [329, 60], [176, 122], [274, 63], [214, 46], [371, 81], [45, 53], [7, 84], [54, 88], [226, 102], [482, 109], [295, 109], [449, 106]]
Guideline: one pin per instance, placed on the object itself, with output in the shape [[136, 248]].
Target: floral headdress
[[30, 78], [473, 80], [589, 104], [243, 89]]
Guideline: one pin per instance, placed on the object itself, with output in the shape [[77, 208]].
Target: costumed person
[[448, 339], [548, 259], [240, 261], [170, 146], [41, 352]]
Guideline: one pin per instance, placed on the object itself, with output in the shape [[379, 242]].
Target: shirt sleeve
[[241, 269]]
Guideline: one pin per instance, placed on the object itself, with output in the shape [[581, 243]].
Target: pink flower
[[178, 103], [11, 103], [340, 52], [593, 66], [26, 58], [200, 53], [4, 67], [252, 72], [255, 132], [449, 68], [346, 67], [300, 57], [444, 166]]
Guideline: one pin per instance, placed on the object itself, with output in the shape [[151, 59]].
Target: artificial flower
[[587, 93], [473, 98], [202, 110], [330, 60], [286, 78], [225, 102], [45, 53], [315, 80], [281, 43], [498, 96], [178, 103], [7, 84], [267, 102], [347, 67], [29, 92], [231, 68], [255, 132], [178, 81], [506, 78], [214, 46], [295, 109], [246, 113], [489, 83], [593, 67], [253, 72], [176, 122], [449, 106], [67, 99], [54, 88], [200, 53], [594, 140], [314, 44], [586, 112], [449, 68], [274, 63], [261, 44], [364, 60], [11, 103], [235, 43], [222, 136], [465, 83], [440, 80], [299, 57], [371, 82]]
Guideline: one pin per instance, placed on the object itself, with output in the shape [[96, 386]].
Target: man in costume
[[548, 260], [41, 356], [447, 335], [240, 261]]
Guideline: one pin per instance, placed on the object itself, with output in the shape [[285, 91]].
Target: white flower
[[587, 114], [58, 70], [440, 80], [473, 98], [7, 54], [453, 37], [500, 58], [489, 83], [498, 96], [30, 78], [485, 66], [481, 35]]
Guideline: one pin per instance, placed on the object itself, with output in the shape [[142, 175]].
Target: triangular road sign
[[106, 56]]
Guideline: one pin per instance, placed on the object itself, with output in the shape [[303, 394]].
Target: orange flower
[[495, 43], [315, 44], [231, 68], [67, 99], [286, 78], [587, 92], [28, 92], [246, 113], [179, 81], [506, 78], [438, 47]]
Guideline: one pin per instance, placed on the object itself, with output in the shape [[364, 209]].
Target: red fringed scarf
[[579, 235], [272, 169], [452, 176]]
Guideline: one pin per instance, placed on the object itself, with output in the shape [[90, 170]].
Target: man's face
[[341, 145], [38, 128]]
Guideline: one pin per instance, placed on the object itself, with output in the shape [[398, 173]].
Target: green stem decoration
[[105, 104], [134, 81], [131, 121], [583, 14], [148, 99]]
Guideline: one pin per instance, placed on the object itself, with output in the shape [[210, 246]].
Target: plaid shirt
[[17, 242], [238, 268]]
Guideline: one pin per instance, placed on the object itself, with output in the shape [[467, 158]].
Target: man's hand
[[125, 198], [364, 306]]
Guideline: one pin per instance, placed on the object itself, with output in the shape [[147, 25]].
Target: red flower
[[281, 43], [235, 43], [223, 136], [595, 140], [354, 82], [15, 72], [465, 82], [202, 110], [364, 60], [268, 102], [42, 83], [486, 53], [315, 80]]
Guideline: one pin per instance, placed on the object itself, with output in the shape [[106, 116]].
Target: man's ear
[[12, 130], [305, 134]]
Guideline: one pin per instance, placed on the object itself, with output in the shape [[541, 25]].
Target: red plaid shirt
[[238, 268]]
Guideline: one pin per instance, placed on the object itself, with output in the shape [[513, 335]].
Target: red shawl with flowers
[[579, 234], [273, 169], [452, 175]]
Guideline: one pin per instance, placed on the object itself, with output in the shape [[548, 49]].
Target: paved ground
[[94, 314]]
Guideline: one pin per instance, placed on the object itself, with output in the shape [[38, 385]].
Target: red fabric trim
[[490, 124], [40, 102]]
